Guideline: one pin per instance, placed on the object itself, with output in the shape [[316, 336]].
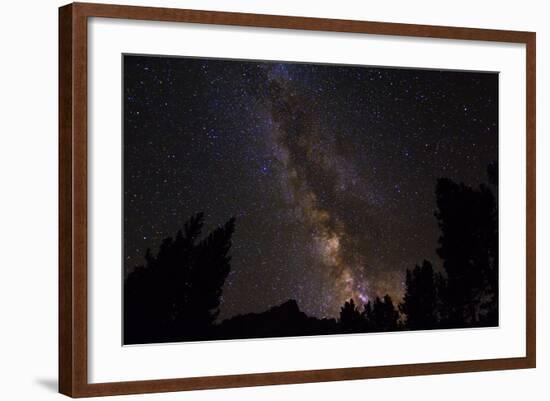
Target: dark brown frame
[[73, 357]]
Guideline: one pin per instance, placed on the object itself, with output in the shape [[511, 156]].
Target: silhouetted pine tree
[[420, 300], [367, 316], [381, 315], [442, 311], [176, 295], [469, 248], [351, 320], [491, 274]]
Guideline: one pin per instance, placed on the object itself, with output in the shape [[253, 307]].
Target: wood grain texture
[[531, 198], [66, 356], [73, 356]]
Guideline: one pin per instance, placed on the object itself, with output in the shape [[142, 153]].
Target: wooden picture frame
[[73, 191]]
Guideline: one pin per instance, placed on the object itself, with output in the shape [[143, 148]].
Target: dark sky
[[329, 170]]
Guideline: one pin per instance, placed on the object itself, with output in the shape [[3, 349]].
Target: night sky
[[329, 170]]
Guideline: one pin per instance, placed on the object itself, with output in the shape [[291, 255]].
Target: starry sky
[[330, 170]]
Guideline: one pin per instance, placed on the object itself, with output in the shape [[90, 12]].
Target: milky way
[[329, 170], [313, 169]]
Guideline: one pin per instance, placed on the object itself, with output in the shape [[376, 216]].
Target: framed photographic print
[[254, 199]]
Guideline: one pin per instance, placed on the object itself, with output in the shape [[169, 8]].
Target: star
[[330, 170]]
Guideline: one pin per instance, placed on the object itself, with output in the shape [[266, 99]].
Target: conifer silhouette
[[351, 320], [176, 295], [468, 246], [420, 300], [381, 315]]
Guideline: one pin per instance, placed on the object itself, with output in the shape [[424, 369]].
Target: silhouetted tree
[[442, 311], [351, 320], [176, 295], [490, 318], [469, 248], [381, 315], [420, 300]]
